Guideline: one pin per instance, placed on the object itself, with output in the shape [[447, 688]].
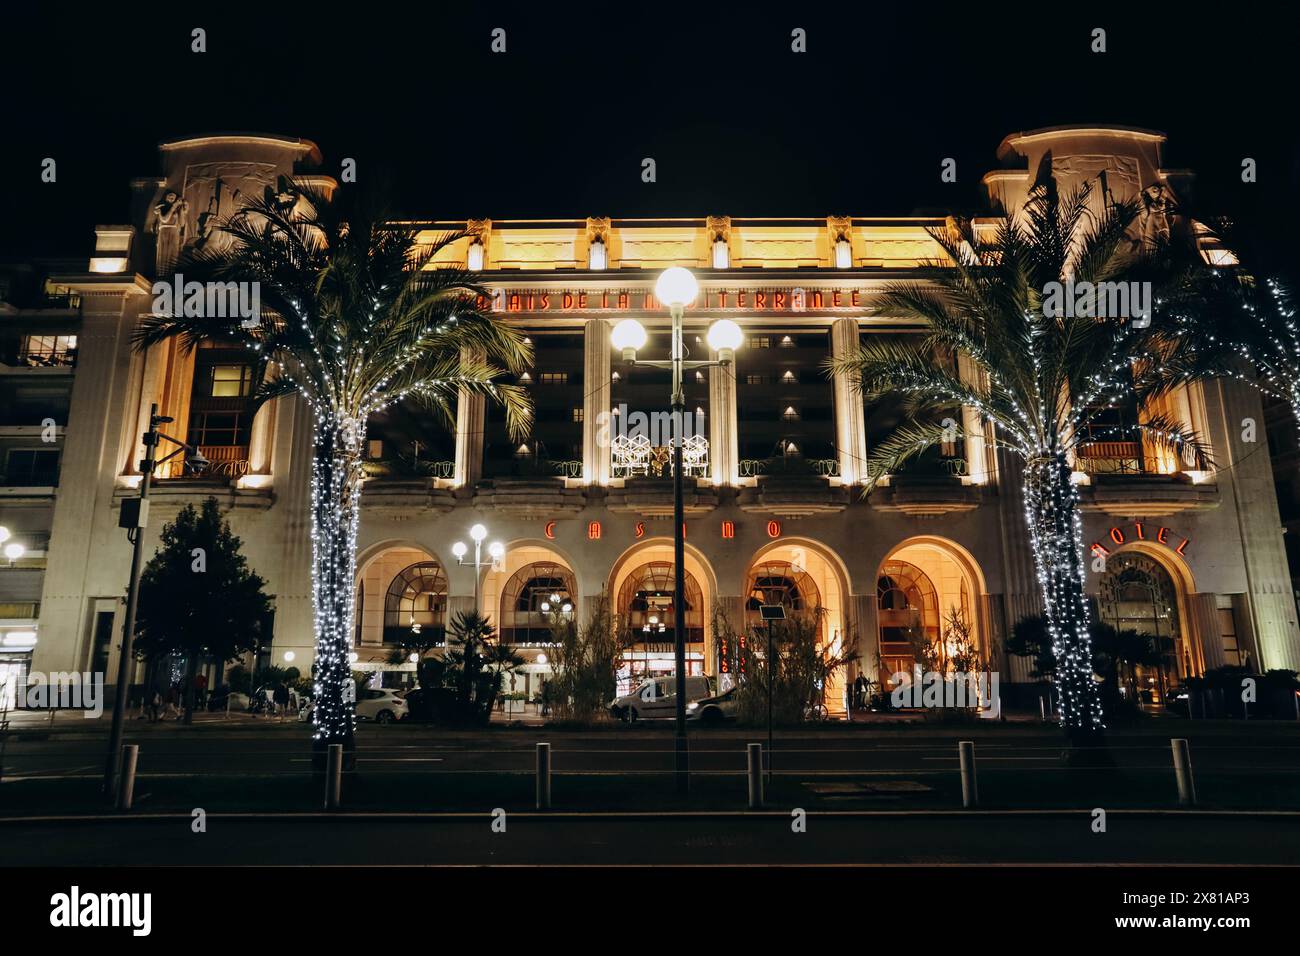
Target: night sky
[[558, 125]]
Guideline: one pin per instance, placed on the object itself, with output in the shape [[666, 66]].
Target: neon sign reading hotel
[[773, 299]]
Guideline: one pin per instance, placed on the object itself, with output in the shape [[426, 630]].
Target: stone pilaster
[[979, 462], [1204, 631], [850, 421], [724, 438], [596, 426], [471, 417], [1249, 478]]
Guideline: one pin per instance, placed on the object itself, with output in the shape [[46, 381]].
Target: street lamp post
[[676, 288], [135, 518], [495, 550]]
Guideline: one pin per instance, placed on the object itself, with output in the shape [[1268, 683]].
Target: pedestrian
[[281, 698], [861, 687], [155, 702], [201, 691], [169, 702]]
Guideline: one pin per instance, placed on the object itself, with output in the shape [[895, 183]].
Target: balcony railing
[[757, 467], [1114, 458], [408, 468], [224, 461]]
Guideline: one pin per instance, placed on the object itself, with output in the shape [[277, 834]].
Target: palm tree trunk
[[1052, 513], [335, 499]]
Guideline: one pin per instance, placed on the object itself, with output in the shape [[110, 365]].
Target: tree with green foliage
[[198, 597], [585, 659]]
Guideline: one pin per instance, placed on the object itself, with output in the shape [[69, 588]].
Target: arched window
[[645, 604], [416, 603], [524, 620], [777, 582], [907, 609]]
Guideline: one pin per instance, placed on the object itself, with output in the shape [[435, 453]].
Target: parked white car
[[658, 698], [383, 705]]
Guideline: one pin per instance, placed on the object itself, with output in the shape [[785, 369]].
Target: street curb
[[353, 815]]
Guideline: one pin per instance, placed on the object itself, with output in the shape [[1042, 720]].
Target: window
[[555, 378], [788, 378], [577, 414], [32, 467], [218, 428], [755, 378], [48, 350], [791, 414], [230, 381], [760, 341], [416, 604], [786, 342]]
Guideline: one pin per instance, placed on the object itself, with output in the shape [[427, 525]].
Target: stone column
[[596, 427], [850, 421], [734, 610], [261, 439], [978, 460], [861, 625], [1203, 629], [471, 417], [724, 435]]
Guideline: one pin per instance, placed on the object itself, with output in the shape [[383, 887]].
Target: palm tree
[[351, 322], [1046, 377]]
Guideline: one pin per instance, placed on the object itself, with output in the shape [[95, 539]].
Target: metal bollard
[[966, 756], [543, 776], [755, 755], [1183, 772], [1042, 708], [126, 778], [334, 777]]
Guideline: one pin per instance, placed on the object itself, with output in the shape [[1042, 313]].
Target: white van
[[658, 698]]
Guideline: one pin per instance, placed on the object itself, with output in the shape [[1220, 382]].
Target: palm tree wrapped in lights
[[1042, 380], [352, 322]]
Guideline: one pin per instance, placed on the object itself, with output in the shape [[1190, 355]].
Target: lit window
[[231, 381], [475, 259], [721, 254], [40, 350], [755, 378], [598, 258], [760, 341], [843, 255], [577, 414], [555, 378]]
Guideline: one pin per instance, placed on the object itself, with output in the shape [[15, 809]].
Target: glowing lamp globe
[[724, 338], [14, 550], [4, 534], [478, 532], [628, 336], [289, 656], [459, 549], [496, 549], [676, 287]]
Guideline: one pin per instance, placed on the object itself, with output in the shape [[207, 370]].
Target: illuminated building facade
[[775, 509]]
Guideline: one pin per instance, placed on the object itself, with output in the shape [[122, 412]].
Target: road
[[285, 748], [731, 839]]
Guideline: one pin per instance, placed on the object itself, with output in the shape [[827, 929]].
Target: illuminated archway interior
[[398, 588], [642, 590], [803, 580], [1138, 594], [919, 588]]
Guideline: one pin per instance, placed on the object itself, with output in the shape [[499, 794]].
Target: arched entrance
[[927, 594], [1137, 595], [399, 587], [809, 581], [520, 597], [641, 588]]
